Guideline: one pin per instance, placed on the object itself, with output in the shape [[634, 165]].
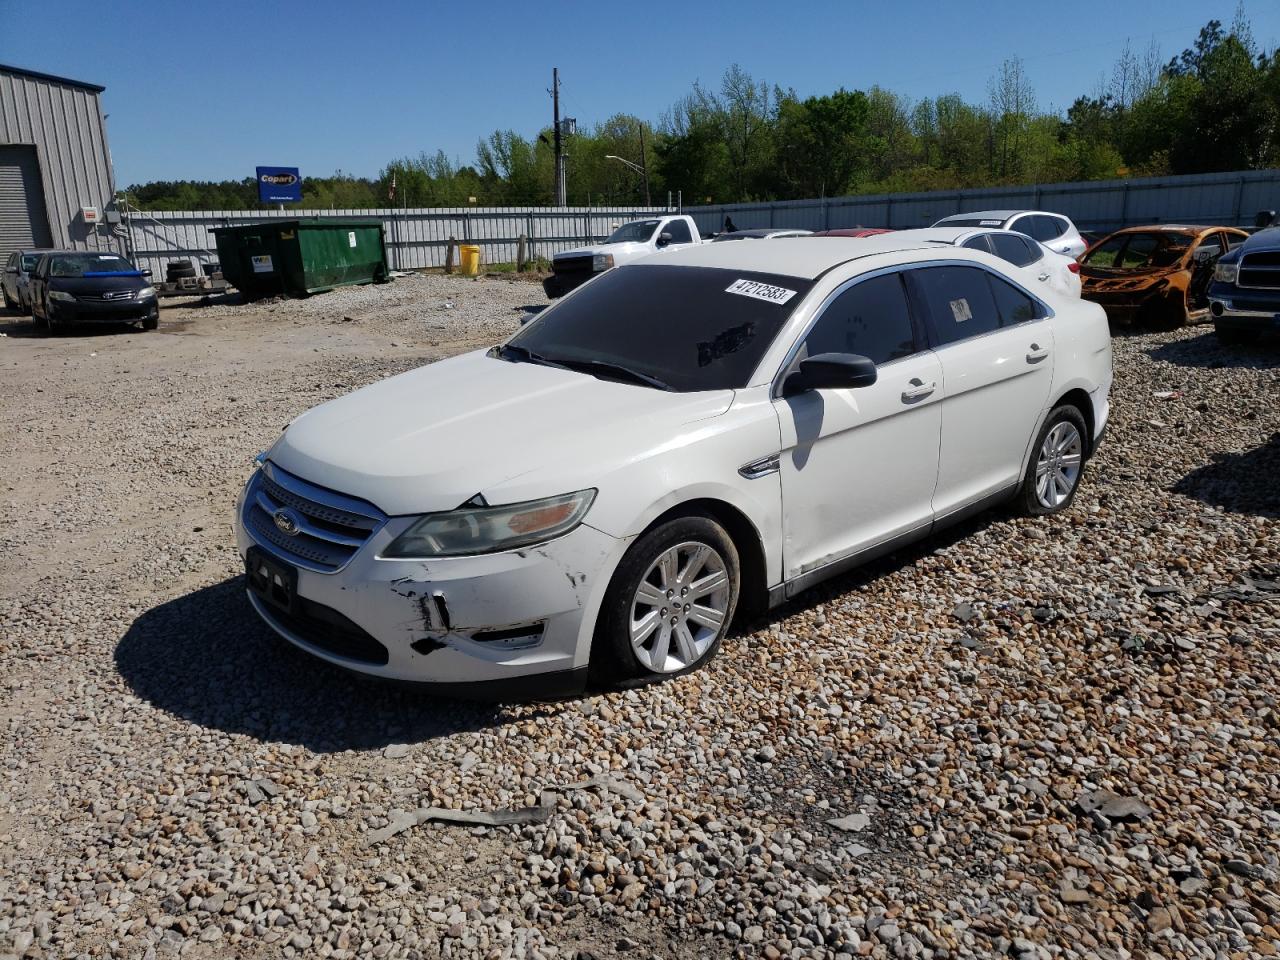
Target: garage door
[[23, 222]]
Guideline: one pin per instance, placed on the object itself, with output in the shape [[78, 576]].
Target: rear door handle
[[1044, 276], [918, 390], [1036, 353]]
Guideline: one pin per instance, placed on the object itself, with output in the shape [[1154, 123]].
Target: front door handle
[[918, 390], [1036, 353]]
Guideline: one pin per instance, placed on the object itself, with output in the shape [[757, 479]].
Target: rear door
[[995, 348]]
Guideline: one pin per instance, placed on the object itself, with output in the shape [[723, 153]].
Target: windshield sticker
[[960, 310], [760, 291]]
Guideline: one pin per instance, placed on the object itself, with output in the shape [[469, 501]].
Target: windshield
[[692, 328], [29, 261], [638, 232], [88, 264], [1139, 251]]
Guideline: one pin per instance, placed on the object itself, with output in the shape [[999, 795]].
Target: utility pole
[[555, 99], [644, 165]]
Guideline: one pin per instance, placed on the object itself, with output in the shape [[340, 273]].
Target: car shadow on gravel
[[1239, 482], [1205, 352], [207, 658], [13, 325]]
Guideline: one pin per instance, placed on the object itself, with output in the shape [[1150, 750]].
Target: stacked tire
[[179, 270]]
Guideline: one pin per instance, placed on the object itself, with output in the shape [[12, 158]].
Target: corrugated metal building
[[56, 183]]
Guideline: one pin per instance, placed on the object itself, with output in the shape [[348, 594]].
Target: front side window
[[637, 232], [679, 231], [870, 318], [690, 328], [957, 300], [1015, 248], [29, 261]]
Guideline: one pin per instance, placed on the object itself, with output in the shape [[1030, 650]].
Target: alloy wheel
[[1058, 465], [679, 607]]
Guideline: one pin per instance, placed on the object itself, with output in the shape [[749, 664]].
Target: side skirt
[[785, 591]]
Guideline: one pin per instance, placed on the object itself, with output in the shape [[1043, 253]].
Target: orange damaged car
[[1156, 275]]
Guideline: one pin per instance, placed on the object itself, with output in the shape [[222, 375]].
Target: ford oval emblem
[[286, 521]]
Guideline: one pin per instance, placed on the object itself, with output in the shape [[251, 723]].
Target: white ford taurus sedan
[[679, 439]]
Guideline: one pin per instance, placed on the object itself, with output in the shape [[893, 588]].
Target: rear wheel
[[1057, 463], [670, 601], [8, 303]]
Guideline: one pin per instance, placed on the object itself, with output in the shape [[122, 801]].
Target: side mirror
[[830, 371], [1264, 218], [664, 239], [1206, 255], [146, 273]]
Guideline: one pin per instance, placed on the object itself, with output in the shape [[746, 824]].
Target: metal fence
[[420, 237], [415, 237], [1231, 199]]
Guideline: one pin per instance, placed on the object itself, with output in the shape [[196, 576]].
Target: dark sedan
[[71, 287]]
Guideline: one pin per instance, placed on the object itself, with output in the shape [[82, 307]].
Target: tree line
[[1213, 107]]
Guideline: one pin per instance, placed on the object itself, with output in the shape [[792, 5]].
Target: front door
[[996, 350], [858, 466]]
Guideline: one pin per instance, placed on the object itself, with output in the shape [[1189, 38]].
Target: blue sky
[[209, 91]]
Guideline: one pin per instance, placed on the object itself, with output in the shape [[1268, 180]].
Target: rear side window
[[679, 231], [870, 318], [1139, 251], [1012, 304], [978, 243], [957, 300], [1015, 248], [1040, 227]]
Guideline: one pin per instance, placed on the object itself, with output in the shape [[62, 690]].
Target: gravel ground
[[1039, 738]]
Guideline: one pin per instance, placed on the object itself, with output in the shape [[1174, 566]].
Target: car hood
[[626, 248], [431, 439], [79, 286]]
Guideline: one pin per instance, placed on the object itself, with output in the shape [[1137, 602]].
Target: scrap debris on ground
[[1023, 738]]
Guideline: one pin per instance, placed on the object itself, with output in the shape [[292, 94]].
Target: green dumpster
[[299, 257]]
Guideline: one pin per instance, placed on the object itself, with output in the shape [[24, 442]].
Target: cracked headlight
[[1226, 272], [472, 530]]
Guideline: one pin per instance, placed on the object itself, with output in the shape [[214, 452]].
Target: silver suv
[[1054, 230], [16, 277]]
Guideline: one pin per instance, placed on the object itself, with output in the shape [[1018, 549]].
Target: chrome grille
[[1260, 270], [329, 528]]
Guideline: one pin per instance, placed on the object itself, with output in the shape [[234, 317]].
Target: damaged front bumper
[[512, 623]]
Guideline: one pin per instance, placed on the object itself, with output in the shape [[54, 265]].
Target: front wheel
[[1057, 463], [151, 323], [670, 601]]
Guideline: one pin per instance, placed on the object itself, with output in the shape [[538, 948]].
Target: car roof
[[1175, 228], [762, 231], [854, 232], [803, 257]]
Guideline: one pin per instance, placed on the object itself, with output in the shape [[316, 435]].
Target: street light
[[637, 168]]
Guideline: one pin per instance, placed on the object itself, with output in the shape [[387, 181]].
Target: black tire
[[186, 274], [1234, 337], [151, 323], [1029, 497], [179, 265], [614, 661], [9, 304], [41, 322]]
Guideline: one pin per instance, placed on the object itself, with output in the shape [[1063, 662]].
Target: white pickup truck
[[631, 241]]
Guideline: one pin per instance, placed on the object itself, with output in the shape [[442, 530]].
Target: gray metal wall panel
[[65, 125]]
